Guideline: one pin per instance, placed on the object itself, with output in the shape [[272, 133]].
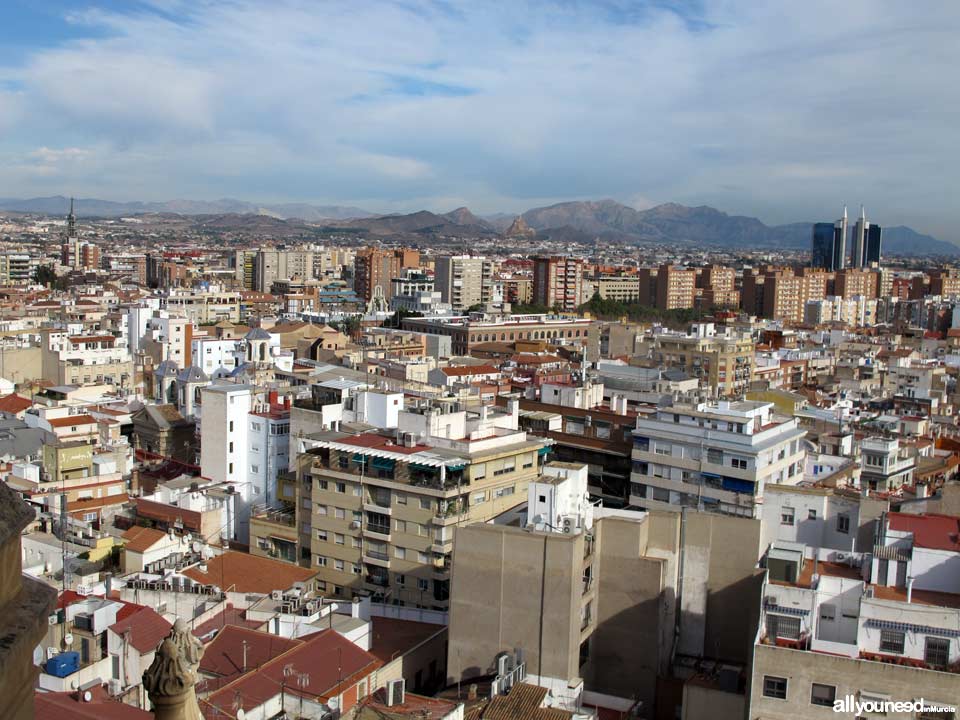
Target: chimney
[[272, 398]]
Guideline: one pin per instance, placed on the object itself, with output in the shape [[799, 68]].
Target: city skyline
[[766, 112]]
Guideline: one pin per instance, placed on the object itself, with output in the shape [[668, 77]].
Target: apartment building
[[73, 359], [885, 465], [203, 307], [872, 627], [722, 362], [716, 456], [467, 331], [781, 294], [622, 288], [617, 602], [675, 287], [376, 267], [272, 265], [853, 282], [464, 281], [558, 282], [16, 268], [517, 289], [386, 506]]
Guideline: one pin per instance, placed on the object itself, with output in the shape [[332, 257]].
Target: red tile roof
[[168, 513], [224, 656], [58, 706], [139, 539], [14, 403], [72, 420], [145, 629], [248, 573], [374, 441], [77, 339], [331, 662], [934, 532], [228, 616], [464, 370]]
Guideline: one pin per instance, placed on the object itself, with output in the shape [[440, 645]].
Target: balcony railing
[[377, 580]]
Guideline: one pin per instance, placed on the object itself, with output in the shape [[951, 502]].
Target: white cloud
[[789, 109]]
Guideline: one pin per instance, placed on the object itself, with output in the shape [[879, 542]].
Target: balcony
[[379, 581], [377, 532], [377, 558], [373, 506]]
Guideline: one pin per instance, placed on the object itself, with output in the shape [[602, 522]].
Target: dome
[[193, 374], [257, 334], [168, 368]]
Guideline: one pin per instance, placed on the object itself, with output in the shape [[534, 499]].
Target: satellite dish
[[38, 655], [68, 639], [197, 547], [87, 696]]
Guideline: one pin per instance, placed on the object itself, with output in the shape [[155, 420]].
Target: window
[[828, 612], [338, 564], [774, 687], [321, 561], [811, 514], [422, 584], [401, 580], [230, 467], [321, 509], [892, 641], [254, 468], [355, 542], [739, 463], [783, 626], [843, 523], [341, 487], [357, 516], [323, 484], [231, 430], [422, 558], [478, 498], [356, 569], [400, 526], [936, 651], [338, 539], [401, 499], [322, 535], [340, 513], [786, 516], [822, 694], [425, 503], [400, 553]]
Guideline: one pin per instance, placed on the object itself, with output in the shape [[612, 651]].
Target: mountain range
[[577, 221]]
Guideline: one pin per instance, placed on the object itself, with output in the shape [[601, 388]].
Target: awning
[[383, 463], [910, 627], [457, 466], [359, 458], [544, 450], [422, 468]]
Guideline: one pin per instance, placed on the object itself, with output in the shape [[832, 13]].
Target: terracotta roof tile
[[248, 573], [145, 629]]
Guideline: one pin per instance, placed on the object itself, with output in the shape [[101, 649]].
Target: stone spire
[[170, 679]]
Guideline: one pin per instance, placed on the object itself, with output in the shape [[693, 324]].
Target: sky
[[785, 110]]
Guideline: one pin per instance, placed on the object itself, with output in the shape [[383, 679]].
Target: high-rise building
[[558, 282], [463, 281], [675, 287], [373, 267], [829, 248], [865, 242]]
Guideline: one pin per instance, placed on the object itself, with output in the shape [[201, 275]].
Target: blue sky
[[785, 111]]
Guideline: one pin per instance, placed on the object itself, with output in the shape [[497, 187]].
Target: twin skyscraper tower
[[829, 249]]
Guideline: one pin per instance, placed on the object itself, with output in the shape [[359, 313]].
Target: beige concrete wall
[[515, 589], [626, 649], [849, 676], [21, 365]]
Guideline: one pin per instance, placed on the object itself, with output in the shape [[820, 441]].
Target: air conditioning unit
[[355, 525], [770, 600], [115, 687], [52, 620], [287, 608], [569, 524], [276, 595]]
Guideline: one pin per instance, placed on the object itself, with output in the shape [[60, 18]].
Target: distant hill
[[702, 225], [463, 216], [580, 221], [92, 207]]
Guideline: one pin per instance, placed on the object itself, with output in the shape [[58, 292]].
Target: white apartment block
[[464, 281], [717, 456], [225, 450]]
